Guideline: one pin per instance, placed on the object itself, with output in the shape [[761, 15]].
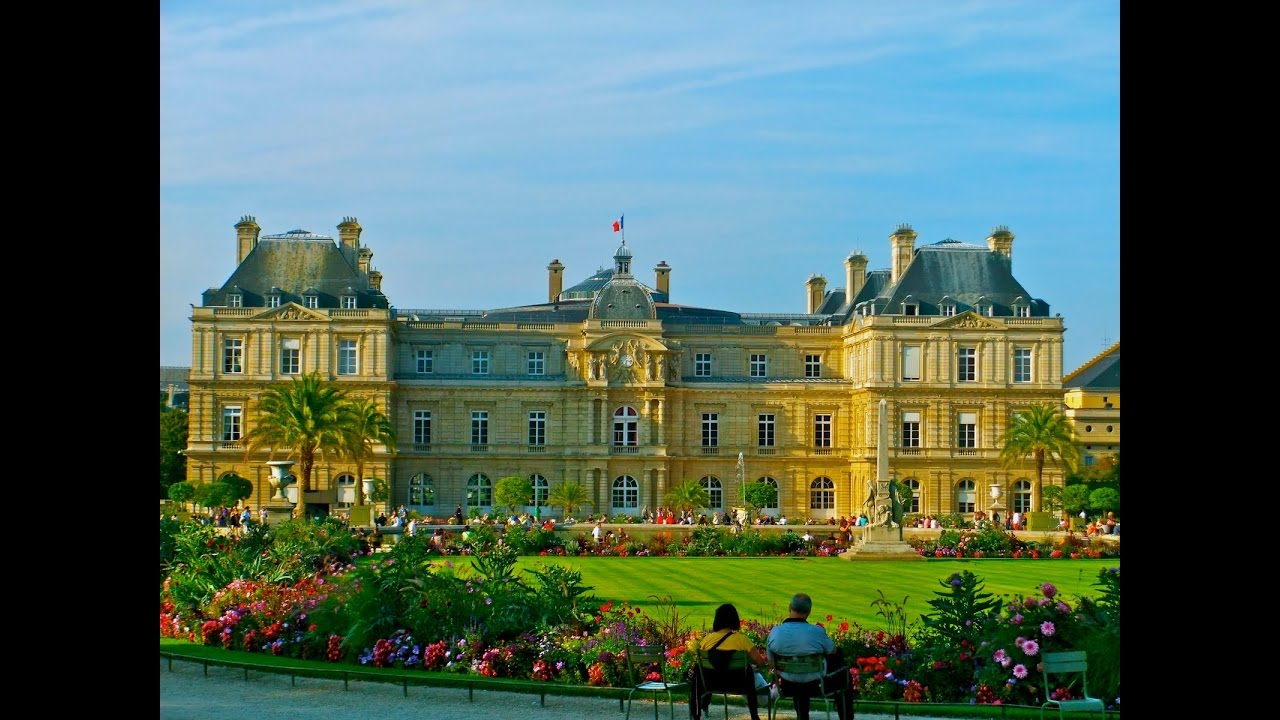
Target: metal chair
[[797, 664], [729, 672], [1063, 670], [641, 661]]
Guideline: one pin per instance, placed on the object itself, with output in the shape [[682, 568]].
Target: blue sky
[[750, 144]]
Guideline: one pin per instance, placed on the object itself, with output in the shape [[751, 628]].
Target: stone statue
[[895, 503]]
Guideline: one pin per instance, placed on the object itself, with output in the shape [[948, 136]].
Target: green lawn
[[761, 587]]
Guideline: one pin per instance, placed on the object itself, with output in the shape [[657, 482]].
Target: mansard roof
[[966, 275], [1100, 373], [294, 264]]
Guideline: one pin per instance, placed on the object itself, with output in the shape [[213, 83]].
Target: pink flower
[[1030, 647], [1020, 671], [999, 656], [1046, 628]]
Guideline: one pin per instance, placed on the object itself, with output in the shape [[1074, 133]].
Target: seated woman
[[724, 635]]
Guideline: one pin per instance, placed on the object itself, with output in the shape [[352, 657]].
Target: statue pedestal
[[278, 511], [881, 543]]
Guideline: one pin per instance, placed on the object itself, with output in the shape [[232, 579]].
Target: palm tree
[[1043, 432], [303, 418], [363, 427], [569, 495], [687, 495]]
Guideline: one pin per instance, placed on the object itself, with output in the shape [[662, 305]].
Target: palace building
[[614, 384]]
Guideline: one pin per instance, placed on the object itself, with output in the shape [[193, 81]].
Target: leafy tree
[[513, 491], [1043, 433], [214, 494], [363, 426], [760, 495], [687, 495], [182, 492], [1103, 499], [303, 418], [1052, 498], [173, 440], [1076, 498], [241, 489], [569, 495]]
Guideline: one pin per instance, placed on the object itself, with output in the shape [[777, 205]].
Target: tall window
[[537, 427], [425, 361], [422, 490], [812, 366], [967, 364], [347, 357], [715, 492], [913, 504], [541, 490], [822, 430], [348, 302], [710, 429], [346, 491], [822, 494], [479, 491], [1022, 496], [910, 429], [236, 300], [626, 493], [1022, 365], [624, 426], [968, 436], [232, 416], [233, 355], [776, 495], [290, 356], [764, 430], [422, 428], [702, 365], [911, 362], [759, 365], [537, 363], [966, 496], [479, 427], [479, 362]]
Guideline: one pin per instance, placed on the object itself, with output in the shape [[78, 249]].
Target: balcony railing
[[624, 450], [228, 445], [766, 451], [710, 450], [537, 448], [822, 451], [479, 448], [966, 451], [909, 451]]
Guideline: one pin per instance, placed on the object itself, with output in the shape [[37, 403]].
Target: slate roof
[[587, 289], [1100, 373], [297, 263]]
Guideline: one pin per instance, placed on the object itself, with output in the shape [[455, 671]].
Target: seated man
[[795, 636]]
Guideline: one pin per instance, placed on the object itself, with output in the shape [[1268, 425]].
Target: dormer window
[[348, 302], [235, 300], [1021, 308], [273, 301], [983, 306], [947, 307], [910, 306], [311, 301]]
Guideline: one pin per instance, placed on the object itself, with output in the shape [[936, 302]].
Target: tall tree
[[173, 440], [363, 427], [569, 495], [513, 491], [687, 495], [304, 419], [1044, 433]]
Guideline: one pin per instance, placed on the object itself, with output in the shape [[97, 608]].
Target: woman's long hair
[[726, 618]]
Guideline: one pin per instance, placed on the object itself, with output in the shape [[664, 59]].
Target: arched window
[[540, 490], [422, 491], [626, 494], [966, 495], [715, 492], [913, 503], [624, 426], [346, 491], [1022, 496], [479, 491], [822, 494], [777, 495]]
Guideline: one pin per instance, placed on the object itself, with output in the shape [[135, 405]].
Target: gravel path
[[186, 694]]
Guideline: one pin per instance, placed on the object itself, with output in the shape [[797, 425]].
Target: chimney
[[246, 237], [817, 286], [375, 281], [1001, 241], [362, 260], [662, 272], [903, 242], [855, 274], [349, 233], [555, 280]]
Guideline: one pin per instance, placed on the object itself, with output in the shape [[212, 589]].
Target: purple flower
[[1049, 590], [1046, 628], [999, 656], [1030, 647], [1017, 619], [1020, 671], [1063, 607]]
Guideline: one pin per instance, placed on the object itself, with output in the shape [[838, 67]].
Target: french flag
[[617, 224]]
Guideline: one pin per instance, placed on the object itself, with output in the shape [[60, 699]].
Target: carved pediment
[[291, 311], [969, 321]]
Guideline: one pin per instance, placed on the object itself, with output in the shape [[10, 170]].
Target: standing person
[[795, 636], [597, 533], [262, 514], [413, 527], [457, 516], [246, 518], [724, 635]]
